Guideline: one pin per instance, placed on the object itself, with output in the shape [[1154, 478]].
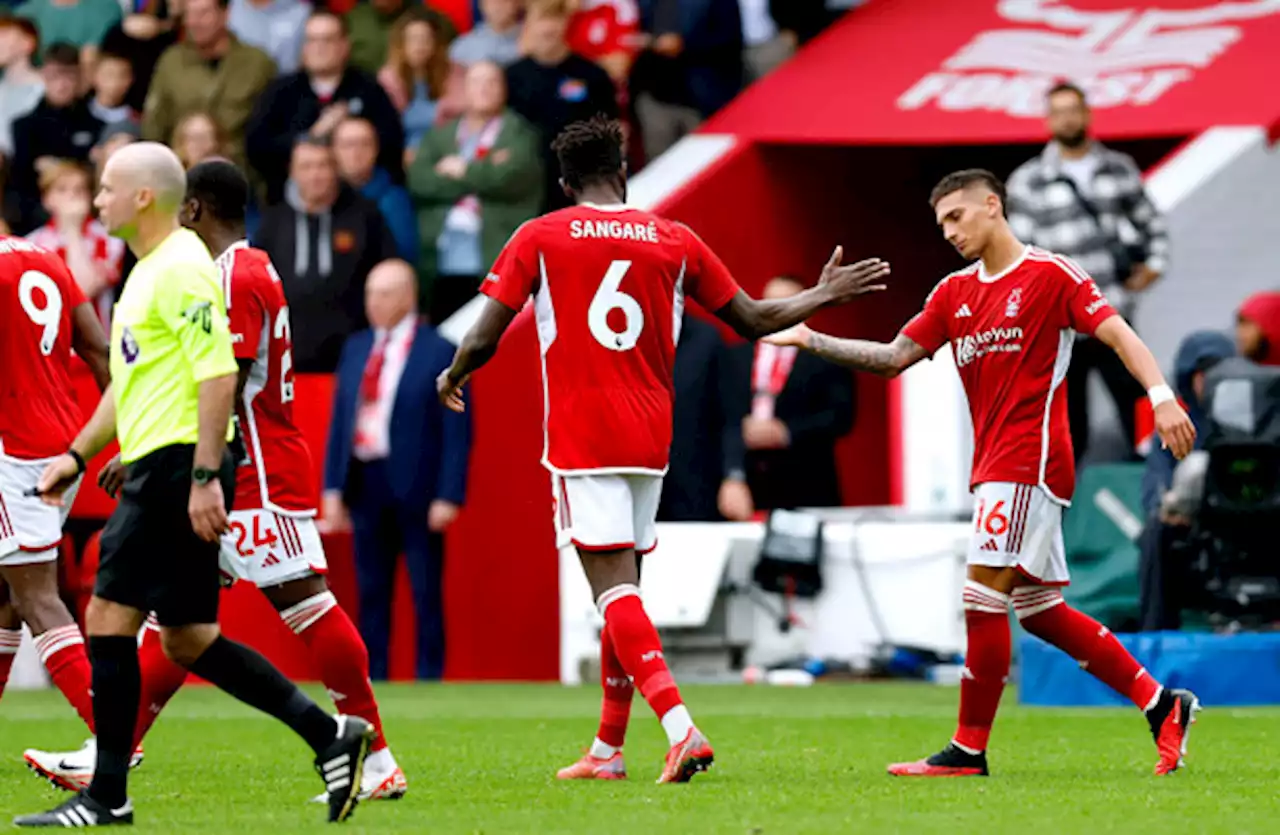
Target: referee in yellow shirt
[[173, 383]]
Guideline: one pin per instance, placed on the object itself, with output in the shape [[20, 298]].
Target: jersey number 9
[[49, 316], [609, 298]]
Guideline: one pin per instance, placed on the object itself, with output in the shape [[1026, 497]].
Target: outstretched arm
[[477, 348], [888, 359], [1177, 432]]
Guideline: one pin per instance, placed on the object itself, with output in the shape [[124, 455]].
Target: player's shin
[[1043, 613], [63, 655], [639, 651], [986, 616], [339, 655], [615, 708], [161, 679]]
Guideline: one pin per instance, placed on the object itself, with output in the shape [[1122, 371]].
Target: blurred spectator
[[371, 24], [495, 38], [799, 406], [474, 181], [1258, 328], [608, 33], [1084, 200], [197, 138], [59, 127], [22, 86], [355, 150], [766, 47], [314, 100], [323, 239], [707, 479], [415, 74], [274, 26], [112, 78], [1159, 581], [81, 23], [397, 459], [113, 138], [800, 21], [692, 68], [553, 87], [94, 257], [143, 37], [210, 70]]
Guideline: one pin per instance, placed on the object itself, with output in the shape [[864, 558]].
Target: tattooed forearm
[[888, 359]]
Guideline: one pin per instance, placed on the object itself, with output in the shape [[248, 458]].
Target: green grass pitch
[[480, 759]]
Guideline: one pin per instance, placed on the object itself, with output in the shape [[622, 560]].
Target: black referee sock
[[117, 687], [246, 675]]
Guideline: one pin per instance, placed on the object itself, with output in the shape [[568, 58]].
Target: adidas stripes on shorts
[[1018, 525]]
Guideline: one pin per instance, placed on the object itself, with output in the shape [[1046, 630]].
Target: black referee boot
[[341, 765], [80, 811]]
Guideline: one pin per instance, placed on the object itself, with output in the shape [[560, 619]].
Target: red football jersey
[[277, 475], [603, 27], [39, 417], [1011, 335], [609, 286]]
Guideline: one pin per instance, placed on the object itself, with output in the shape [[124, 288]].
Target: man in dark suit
[[706, 480], [796, 406], [396, 467]]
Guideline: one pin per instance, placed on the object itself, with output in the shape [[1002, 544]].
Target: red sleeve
[[1086, 306], [928, 328], [516, 271], [245, 313], [706, 279]]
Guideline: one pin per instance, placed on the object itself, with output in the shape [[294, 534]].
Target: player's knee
[[9, 617], [184, 645], [41, 609], [1029, 601]]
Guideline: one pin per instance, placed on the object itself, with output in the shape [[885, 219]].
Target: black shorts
[[151, 558]]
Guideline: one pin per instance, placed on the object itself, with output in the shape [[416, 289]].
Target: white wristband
[[1160, 394]]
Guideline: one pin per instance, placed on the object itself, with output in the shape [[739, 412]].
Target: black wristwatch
[[203, 475]]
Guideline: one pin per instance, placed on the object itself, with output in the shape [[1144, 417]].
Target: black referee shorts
[[151, 558]]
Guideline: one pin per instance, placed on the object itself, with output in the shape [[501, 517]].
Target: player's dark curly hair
[[220, 188], [590, 152], [957, 180]]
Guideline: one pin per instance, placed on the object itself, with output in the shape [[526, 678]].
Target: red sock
[[62, 653], [986, 663], [10, 639], [161, 678], [638, 648], [615, 710], [1044, 614], [339, 655]]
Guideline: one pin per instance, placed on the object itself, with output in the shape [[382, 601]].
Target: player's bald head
[[149, 167], [390, 293]]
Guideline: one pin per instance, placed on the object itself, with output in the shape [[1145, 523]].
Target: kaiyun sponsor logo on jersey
[[991, 341]]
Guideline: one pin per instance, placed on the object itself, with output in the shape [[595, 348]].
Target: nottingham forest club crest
[[1015, 301]]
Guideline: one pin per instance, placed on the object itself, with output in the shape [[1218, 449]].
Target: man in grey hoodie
[[323, 239]]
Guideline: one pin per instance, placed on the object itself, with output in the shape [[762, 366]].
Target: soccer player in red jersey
[[43, 316], [1011, 318], [272, 540], [609, 285]]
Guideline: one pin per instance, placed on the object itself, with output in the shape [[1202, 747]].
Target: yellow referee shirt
[[168, 334]]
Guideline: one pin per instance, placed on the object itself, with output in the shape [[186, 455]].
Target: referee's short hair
[[220, 188]]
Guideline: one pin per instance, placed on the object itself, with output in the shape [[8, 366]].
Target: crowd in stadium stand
[[371, 129]]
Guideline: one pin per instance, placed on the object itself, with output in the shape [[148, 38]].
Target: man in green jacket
[[210, 71], [474, 181]]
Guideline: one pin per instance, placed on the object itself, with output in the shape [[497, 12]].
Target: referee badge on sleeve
[[128, 346]]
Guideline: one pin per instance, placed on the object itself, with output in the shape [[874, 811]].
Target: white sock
[[1155, 700], [381, 761], [970, 751], [602, 750], [677, 723]]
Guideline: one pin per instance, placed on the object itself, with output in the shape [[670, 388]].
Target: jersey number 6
[[609, 298], [993, 522], [48, 316]]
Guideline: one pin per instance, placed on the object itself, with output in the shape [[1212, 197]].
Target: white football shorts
[[267, 549], [1019, 525], [607, 512], [30, 530]]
